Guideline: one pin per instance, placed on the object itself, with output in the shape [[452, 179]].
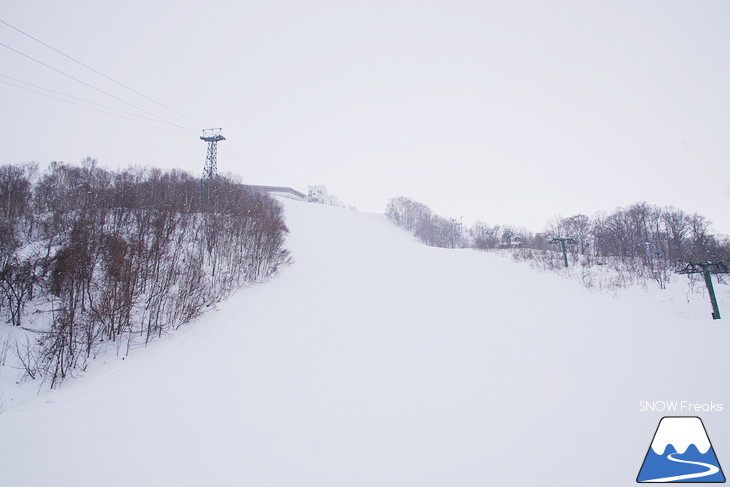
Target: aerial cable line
[[96, 109], [157, 118], [262, 160], [103, 75], [84, 100], [271, 169], [249, 160], [97, 89]]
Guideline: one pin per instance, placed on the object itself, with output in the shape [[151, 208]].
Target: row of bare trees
[[429, 228], [642, 240], [91, 258]]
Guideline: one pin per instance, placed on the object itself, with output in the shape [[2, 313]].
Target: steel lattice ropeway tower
[[210, 170], [212, 137]]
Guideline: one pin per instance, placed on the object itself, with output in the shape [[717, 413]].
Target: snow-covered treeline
[[639, 243], [429, 228], [92, 259]]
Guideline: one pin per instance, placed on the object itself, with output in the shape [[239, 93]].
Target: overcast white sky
[[509, 112]]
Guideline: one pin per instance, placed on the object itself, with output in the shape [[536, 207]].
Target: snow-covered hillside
[[374, 360]]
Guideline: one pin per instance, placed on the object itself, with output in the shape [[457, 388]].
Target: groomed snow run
[[374, 360]]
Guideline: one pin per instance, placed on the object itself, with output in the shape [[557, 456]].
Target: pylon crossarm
[[212, 135], [718, 268], [698, 267], [690, 269], [708, 268]]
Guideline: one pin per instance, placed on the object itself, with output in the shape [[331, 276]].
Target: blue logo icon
[[681, 452]]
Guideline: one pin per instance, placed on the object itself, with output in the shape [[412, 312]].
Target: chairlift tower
[[455, 230], [707, 268], [562, 241], [507, 235]]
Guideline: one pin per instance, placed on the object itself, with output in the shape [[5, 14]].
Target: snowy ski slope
[[374, 360]]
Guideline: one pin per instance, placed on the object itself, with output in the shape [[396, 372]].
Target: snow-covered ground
[[374, 360]]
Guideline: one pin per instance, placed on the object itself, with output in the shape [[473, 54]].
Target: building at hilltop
[[284, 191], [318, 194]]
